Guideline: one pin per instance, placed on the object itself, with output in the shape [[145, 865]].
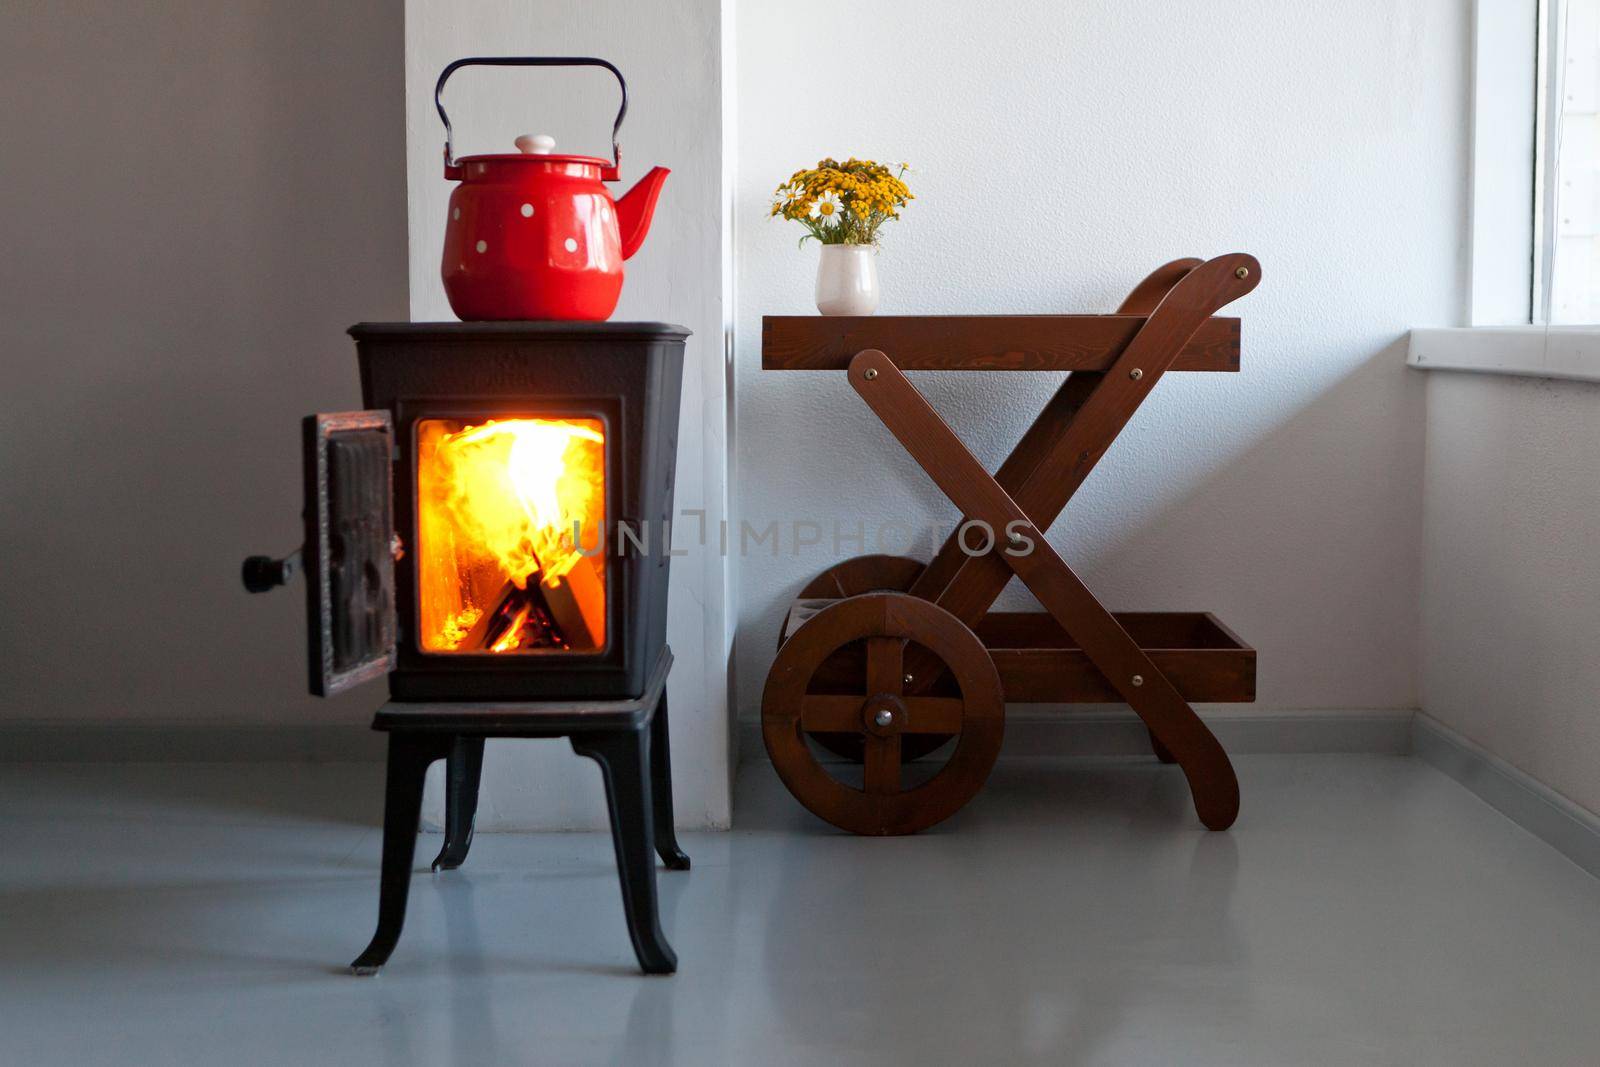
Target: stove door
[[349, 561]]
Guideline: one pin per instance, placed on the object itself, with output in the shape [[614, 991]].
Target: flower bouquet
[[842, 206]]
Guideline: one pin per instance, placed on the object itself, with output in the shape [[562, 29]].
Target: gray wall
[[199, 199], [1511, 586]]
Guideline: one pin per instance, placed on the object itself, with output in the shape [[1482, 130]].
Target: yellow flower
[[846, 201]]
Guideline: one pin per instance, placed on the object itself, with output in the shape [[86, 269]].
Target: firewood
[[577, 602], [492, 624], [539, 627]]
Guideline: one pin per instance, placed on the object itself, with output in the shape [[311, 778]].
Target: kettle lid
[[537, 149]]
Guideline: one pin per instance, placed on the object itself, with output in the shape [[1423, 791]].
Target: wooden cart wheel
[[865, 574], [852, 577], [881, 715]]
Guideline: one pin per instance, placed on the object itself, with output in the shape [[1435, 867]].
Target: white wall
[[1060, 152], [1511, 584], [671, 56], [199, 199]]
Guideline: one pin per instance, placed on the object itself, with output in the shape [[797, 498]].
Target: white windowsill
[[1569, 352]]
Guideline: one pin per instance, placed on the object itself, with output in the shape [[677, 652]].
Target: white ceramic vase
[[847, 280]]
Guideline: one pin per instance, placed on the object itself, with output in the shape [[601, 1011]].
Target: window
[[1534, 302], [1567, 262]]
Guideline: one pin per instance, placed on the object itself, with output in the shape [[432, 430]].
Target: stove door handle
[[263, 573]]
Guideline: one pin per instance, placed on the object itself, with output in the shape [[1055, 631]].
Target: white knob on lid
[[536, 144]]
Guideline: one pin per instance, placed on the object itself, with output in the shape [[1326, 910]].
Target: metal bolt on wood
[[884, 717], [1136, 373], [870, 373], [1138, 679]]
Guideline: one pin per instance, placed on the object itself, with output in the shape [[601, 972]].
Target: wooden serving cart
[[884, 659]]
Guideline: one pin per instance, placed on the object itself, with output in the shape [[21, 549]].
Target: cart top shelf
[[981, 342]]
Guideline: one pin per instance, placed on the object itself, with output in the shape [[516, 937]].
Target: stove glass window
[[511, 535]]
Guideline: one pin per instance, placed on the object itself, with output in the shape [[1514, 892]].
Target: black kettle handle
[[529, 61]]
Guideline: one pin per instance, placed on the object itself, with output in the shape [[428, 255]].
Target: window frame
[[1511, 209]]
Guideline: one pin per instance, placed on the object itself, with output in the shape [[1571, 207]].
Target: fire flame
[[517, 487], [513, 635], [500, 504]]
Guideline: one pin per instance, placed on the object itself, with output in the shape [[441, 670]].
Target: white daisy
[[827, 208]]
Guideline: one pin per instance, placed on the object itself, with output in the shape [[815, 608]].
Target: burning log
[[577, 602], [569, 612], [519, 619]]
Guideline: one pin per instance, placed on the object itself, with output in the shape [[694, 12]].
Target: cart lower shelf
[[1039, 663]]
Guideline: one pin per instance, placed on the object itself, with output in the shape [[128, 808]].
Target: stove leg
[[624, 758], [464, 769], [1163, 753], [661, 790], [409, 757]]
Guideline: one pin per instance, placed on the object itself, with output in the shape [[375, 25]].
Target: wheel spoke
[[885, 664], [830, 714], [882, 769], [841, 714]]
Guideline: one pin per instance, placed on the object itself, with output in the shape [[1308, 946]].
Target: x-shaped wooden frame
[[1035, 484]]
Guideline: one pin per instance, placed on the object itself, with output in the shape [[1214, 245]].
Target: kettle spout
[[636, 208]]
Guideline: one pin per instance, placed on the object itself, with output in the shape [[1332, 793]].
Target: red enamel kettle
[[534, 234]]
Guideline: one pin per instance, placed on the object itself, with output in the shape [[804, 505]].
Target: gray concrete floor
[[1365, 910]]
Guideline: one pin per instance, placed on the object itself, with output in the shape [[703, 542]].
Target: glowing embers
[[510, 524]]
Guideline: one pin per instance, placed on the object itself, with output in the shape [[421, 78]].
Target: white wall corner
[[1569, 828]]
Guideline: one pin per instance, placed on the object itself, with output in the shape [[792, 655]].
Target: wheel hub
[[883, 714]]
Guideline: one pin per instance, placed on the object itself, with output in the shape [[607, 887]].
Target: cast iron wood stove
[[492, 534]]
